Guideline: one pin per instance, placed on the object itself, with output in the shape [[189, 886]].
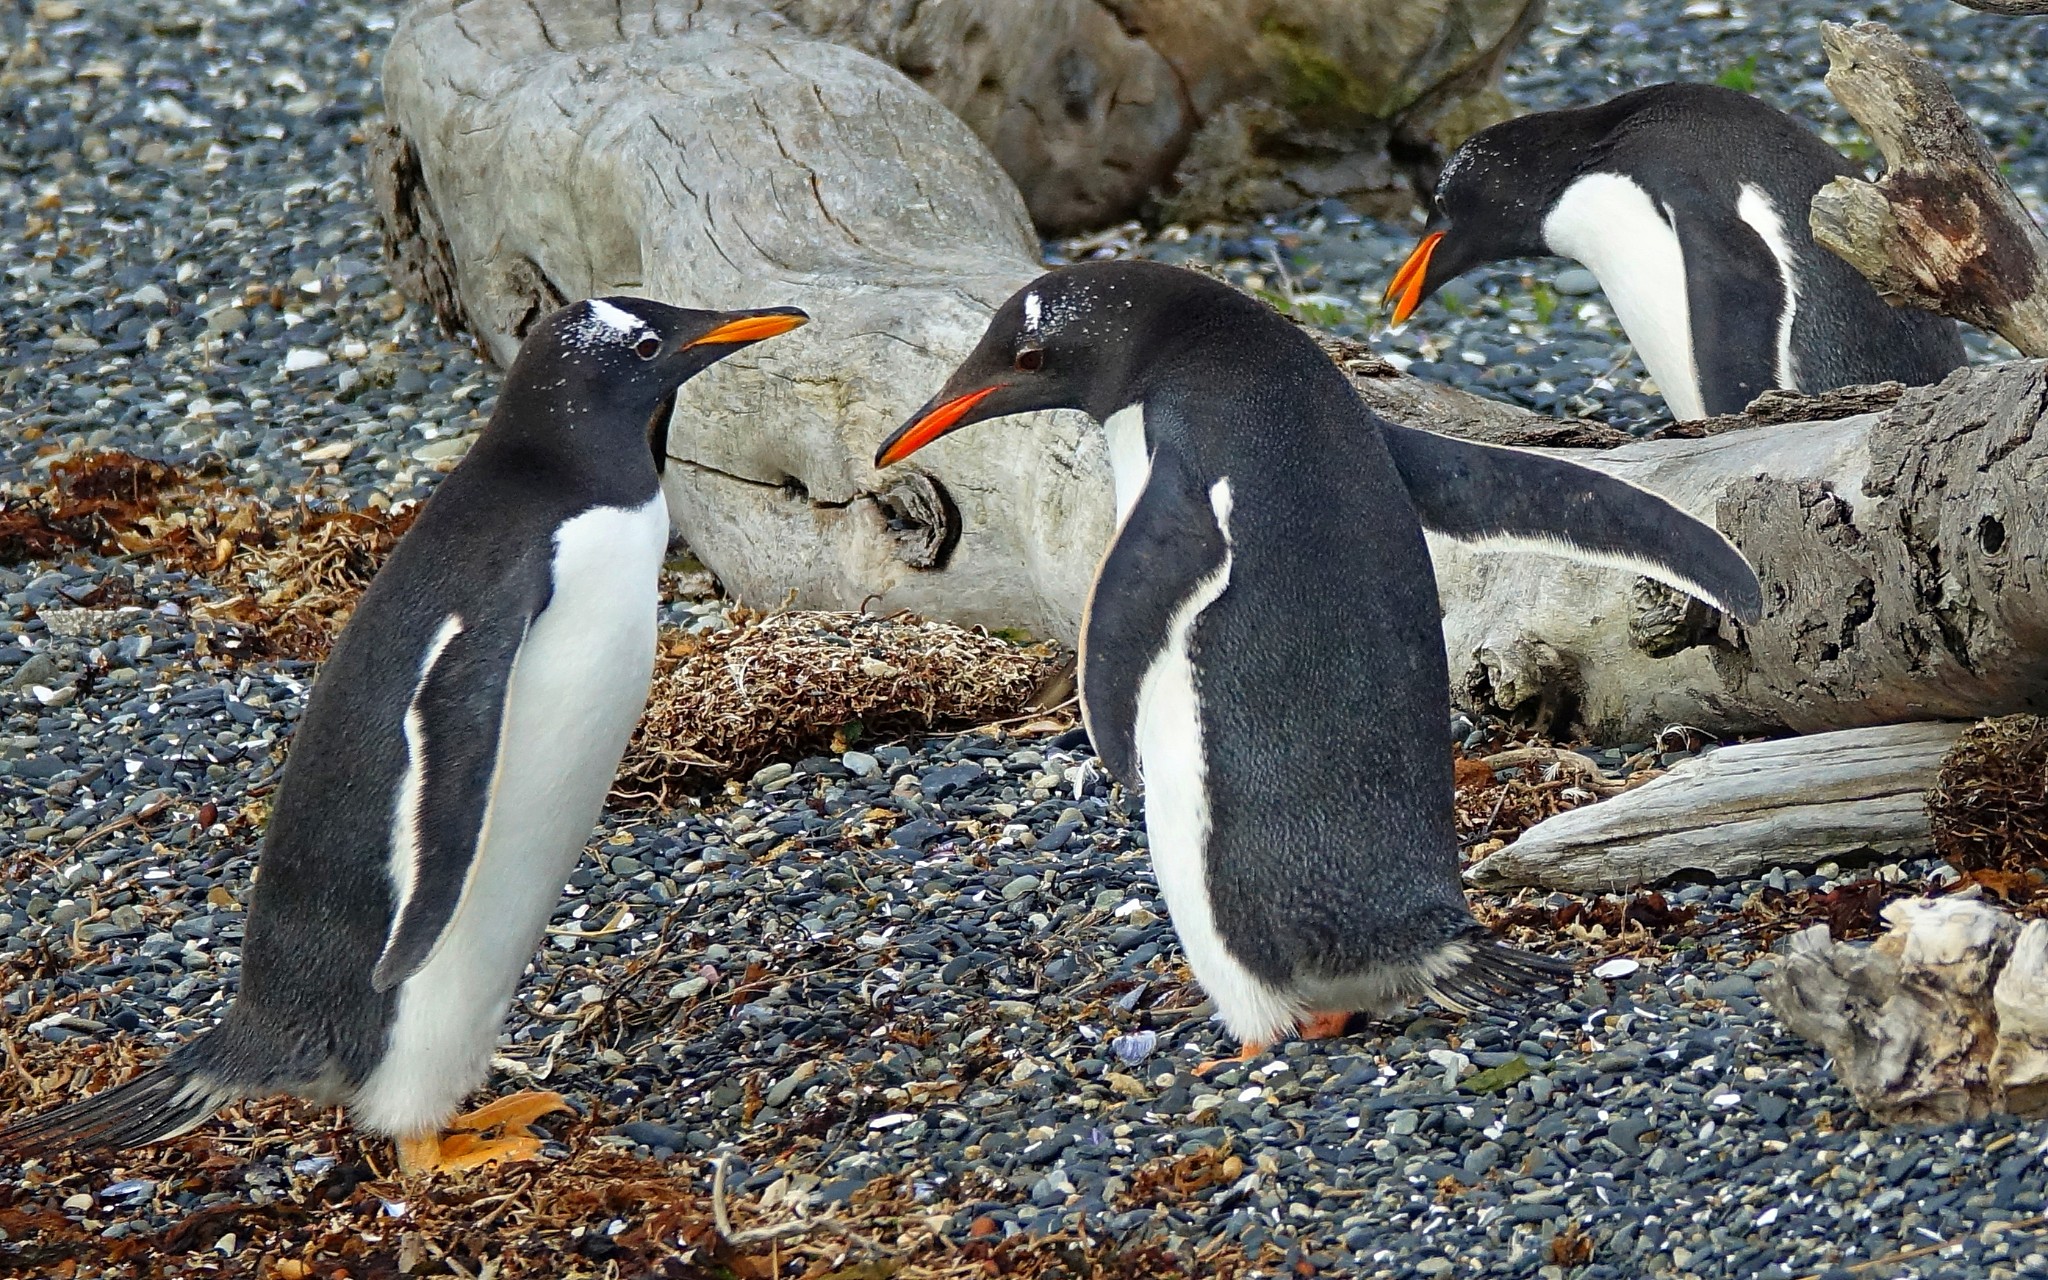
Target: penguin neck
[[561, 434]]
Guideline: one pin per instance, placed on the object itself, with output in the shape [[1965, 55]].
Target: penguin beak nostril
[[929, 426], [1405, 290], [752, 328]]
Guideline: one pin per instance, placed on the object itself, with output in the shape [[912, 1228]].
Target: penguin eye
[[1031, 359], [648, 347]]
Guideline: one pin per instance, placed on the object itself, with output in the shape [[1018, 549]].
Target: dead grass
[[89, 500], [293, 576], [781, 684], [1989, 805]]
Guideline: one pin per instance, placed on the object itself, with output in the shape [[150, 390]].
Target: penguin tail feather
[[1480, 972], [161, 1103]]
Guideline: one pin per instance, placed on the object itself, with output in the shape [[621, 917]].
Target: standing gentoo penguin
[[453, 759], [1261, 644], [1688, 202]]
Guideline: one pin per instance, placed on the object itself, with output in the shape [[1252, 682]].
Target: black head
[[1082, 337], [620, 360], [1491, 198]]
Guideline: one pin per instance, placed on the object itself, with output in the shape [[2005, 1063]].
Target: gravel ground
[[937, 967]]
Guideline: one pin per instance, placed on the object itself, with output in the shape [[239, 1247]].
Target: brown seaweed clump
[[781, 684], [1989, 805]]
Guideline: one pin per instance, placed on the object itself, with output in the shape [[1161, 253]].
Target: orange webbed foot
[[466, 1146], [1323, 1026], [1251, 1050]]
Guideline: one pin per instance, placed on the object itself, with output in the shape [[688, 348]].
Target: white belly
[[577, 687], [1173, 759], [1611, 226]]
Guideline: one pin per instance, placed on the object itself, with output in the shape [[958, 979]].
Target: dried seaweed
[[1989, 805], [89, 499], [780, 684], [293, 575]]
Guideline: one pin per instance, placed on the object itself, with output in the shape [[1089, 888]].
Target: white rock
[[1619, 967], [299, 359]]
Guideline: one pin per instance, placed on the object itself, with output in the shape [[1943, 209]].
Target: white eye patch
[[604, 325], [624, 323]]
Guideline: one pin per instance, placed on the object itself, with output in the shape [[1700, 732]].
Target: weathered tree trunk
[[1941, 230], [1792, 802], [710, 153], [1901, 561], [1091, 105]]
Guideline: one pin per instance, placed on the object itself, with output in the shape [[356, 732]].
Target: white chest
[[1130, 457], [1610, 225], [1173, 757]]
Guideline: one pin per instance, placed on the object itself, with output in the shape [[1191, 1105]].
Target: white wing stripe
[[1754, 207], [405, 817], [1559, 546]]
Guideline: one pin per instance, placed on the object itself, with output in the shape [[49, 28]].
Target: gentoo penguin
[[1261, 645], [452, 760], [1688, 202]]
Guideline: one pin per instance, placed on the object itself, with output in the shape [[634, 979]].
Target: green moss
[[1015, 635], [1495, 1079], [1312, 83]]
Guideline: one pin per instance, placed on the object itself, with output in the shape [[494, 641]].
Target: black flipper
[[1513, 498], [1168, 543], [162, 1102], [452, 729], [1735, 296]]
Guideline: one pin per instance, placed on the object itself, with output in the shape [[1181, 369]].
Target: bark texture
[[1091, 105], [1794, 802], [1941, 230], [1900, 559], [1943, 1019]]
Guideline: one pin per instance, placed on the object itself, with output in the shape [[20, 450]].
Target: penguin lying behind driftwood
[[1688, 203], [1262, 644], [452, 761]]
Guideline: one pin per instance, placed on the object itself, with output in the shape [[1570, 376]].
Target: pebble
[[952, 943]]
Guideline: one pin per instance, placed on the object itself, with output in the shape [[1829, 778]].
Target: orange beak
[[1406, 290], [752, 328], [931, 426]]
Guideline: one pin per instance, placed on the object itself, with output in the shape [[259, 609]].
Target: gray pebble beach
[[954, 964]]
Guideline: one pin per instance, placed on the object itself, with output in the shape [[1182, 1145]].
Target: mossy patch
[[1314, 85]]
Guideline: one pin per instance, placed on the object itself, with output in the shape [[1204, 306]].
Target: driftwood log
[[1793, 802], [1942, 229], [1093, 105], [1942, 1019], [712, 153]]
